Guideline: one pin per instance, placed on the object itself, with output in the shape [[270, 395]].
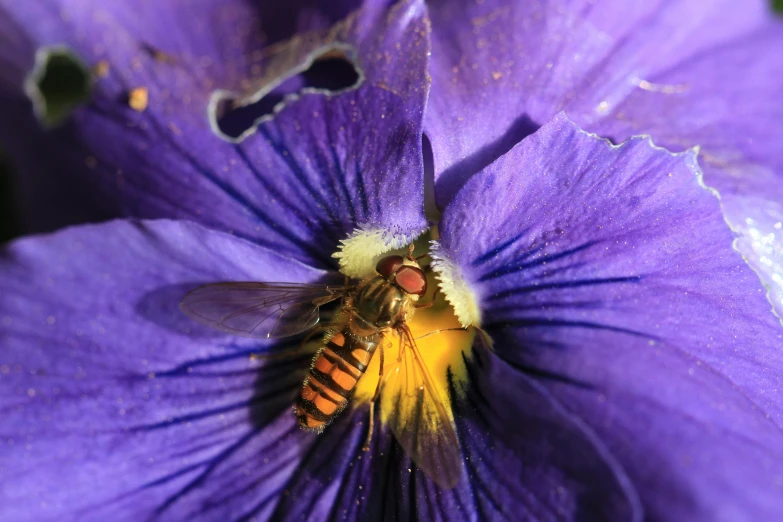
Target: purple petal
[[729, 102], [118, 407], [687, 73], [523, 62], [527, 458], [608, 275], [329, 163], [126, 38]]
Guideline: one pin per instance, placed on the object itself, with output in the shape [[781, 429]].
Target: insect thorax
[[378, 303]]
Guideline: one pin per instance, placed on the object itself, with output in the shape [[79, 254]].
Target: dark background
[[9, 226]]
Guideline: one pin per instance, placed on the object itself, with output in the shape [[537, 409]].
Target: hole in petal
[[58, 84], [330, 72]]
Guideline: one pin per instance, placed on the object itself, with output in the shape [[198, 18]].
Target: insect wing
[[419, 418], [263, 310]]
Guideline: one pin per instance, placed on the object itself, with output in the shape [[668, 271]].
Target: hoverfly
[[372, 310]]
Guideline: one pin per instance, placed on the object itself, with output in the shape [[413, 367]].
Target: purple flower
[[688, 73], [637, 361]]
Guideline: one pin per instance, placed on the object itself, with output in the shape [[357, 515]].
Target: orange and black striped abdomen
[[335, 371]]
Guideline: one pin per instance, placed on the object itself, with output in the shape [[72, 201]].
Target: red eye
[[388, 265], [412, 280]]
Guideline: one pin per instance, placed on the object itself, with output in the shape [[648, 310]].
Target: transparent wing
[[419, 418], [265, 310]]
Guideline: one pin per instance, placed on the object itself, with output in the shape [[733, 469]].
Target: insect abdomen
[[335, 371]]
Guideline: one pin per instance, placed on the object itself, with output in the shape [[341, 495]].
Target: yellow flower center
[[441, 341]]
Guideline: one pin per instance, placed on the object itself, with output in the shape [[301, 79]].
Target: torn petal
[[300, 183], [526, 61], [609, 275], [689, 73]]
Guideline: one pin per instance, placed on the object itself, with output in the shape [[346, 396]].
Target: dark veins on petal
[[139, 416], [143, 417], [276, 385], [624, 300], [527, 457], [688, 73], [167, 161]]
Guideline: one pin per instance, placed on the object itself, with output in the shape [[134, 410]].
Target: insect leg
[[342, 298], [366, 446], [401, 346], [441, 330], [380, 376], [373, 401], [485, 338]]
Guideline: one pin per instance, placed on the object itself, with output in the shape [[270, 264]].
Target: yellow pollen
[[138, 98]]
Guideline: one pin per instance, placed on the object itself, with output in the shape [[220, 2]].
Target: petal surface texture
[[525, 457], [117, 406], [607, 274], [327, 161], [687, 72]]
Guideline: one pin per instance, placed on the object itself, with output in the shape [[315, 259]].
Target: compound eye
[[412, 280], [388, 265]]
